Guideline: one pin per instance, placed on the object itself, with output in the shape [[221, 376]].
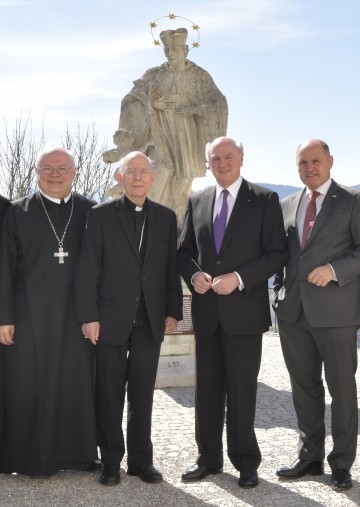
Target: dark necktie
[[310, 215], [220, 221]]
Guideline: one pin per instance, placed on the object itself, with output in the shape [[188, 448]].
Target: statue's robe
[[49, 371]]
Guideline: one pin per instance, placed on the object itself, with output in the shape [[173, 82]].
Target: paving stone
[[175, 449]]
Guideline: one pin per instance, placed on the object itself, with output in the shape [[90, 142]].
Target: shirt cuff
[[334, 274], [241, 285]]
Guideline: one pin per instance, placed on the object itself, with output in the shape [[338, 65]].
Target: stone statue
[[170, 114]]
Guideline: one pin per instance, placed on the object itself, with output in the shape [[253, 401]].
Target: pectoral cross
[[61, 254]]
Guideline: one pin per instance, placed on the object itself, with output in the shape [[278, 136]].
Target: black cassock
[[49, 404], [3, 205]]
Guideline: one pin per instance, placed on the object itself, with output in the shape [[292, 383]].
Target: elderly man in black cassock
[[49, 408], [4, 203]]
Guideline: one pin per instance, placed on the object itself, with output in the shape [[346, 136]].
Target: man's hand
[[7, 334], [170, 325], [202, 282], [91, 331], [225, 284], [321, 276]]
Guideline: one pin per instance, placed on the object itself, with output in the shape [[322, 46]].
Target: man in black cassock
[[49, 406], [4, 203]]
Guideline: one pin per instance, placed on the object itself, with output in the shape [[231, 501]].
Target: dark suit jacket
[[334, 239], [110, 276], [253, 245]]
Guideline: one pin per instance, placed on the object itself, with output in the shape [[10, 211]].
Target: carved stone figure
[[170, 114]]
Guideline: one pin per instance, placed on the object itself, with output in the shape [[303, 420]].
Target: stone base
[[177, 362]]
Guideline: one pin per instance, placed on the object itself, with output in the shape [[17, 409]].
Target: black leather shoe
[[110, 476], [197, 472], [248, 479], [341, 478], [301, 467], [146, 473]]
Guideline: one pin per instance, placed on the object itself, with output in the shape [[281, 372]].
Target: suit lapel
[[331, 199], [290, 213], [243, 200], [127, 225]]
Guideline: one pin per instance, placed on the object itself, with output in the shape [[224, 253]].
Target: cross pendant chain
[[61, 254]]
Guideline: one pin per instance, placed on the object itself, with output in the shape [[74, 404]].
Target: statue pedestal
[[177, 362]]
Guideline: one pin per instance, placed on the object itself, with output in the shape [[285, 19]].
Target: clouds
[[286, 66]]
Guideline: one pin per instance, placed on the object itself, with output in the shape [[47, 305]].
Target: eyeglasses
[[47, 169], [133, 173]]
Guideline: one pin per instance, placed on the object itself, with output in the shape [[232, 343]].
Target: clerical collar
[[54, 199], [133, 206]]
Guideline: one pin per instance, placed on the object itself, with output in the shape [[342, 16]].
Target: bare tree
[[18, 152], [19, 149], [94, 177]]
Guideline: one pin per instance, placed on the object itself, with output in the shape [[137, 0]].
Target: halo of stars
[[172, 16]]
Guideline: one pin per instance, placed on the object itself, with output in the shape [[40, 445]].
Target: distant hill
[[285, 190], [281, 190]]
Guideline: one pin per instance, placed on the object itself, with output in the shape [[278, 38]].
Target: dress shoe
[[197, 472], [146, 473], [248, 479], [301, 467], [341, 478], [110, 476]]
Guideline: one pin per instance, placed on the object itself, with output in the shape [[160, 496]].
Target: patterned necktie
[[310, 216], [220, 221]]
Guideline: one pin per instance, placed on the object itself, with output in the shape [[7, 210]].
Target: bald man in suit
[[318, 309]]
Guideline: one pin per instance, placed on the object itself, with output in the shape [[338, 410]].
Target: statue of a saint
[[170, 114]]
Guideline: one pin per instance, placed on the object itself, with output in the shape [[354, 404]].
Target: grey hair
[[131, 155], [238, 145], [51, 149]]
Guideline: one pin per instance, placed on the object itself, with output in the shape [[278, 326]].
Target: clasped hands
[[222, 285]]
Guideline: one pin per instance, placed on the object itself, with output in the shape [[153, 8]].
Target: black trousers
[[306, 350], [134, 363], [227, 368]]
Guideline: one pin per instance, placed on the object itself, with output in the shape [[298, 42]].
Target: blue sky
[[289, 70]]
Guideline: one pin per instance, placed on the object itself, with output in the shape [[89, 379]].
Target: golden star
[[157, 43], [195, 27], [172, 16], [195, 44], [152, 24]]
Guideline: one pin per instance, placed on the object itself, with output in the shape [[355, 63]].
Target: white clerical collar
[[233, 188], [54, 199], [323, 189]]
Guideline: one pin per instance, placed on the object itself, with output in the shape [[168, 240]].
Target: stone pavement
[[174, 449]]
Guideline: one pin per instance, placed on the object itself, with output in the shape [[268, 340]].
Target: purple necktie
[[220, 221], [310, 215]]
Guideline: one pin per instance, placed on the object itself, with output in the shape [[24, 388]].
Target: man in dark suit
[[228, 279], [318, 308], [129, 294]]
